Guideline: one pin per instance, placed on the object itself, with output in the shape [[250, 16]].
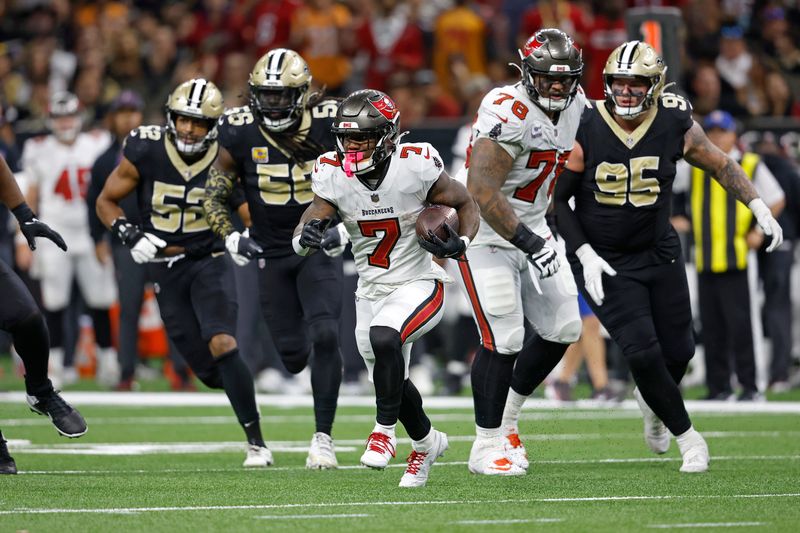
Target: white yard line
[[310, 516], [508, 521], [117, 510], [207, 399], [707, 524], [400, 464]]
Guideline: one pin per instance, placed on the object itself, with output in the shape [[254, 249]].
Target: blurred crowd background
[[436, 58]]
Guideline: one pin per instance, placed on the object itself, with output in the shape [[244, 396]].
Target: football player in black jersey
[[21, 317], [620, 174], [168, 168], [270, 146]]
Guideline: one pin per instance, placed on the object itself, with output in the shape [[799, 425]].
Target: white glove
[[335, 240], [241, 247], [593, 268], [767, 222], [546, 261], [146, 248]]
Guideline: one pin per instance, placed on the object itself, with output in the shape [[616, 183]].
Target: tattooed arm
[[700, 152], [489, 166], [219, 187]]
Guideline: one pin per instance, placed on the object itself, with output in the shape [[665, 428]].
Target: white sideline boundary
[[129, 510], [218, 399]]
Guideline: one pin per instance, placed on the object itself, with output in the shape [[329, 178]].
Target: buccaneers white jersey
[[540, 150], [381, 222], [62, 173]]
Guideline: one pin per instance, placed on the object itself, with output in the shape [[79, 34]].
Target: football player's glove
[[313, 231], [31, 227], [144, 246], [335, 240], [767, 222], [454, 246], [241, 247], [545, 261], [593, 268]]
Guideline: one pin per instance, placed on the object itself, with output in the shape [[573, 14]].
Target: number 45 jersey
[[277, 188], [382, 221], [624, 198], [540, 150], [170, 189]]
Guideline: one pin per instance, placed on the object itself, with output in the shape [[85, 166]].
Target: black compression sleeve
[[569, 227]]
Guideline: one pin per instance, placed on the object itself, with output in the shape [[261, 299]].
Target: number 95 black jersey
[[277, 183], [171, 190], [624, 199]]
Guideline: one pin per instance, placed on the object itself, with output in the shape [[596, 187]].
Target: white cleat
[[488, 458], [380, 450], [656, 434], [695, 455], [421, 461], [257, 457], [108, 371], [321, 455], [514, 449]]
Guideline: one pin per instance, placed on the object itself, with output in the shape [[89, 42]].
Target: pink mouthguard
[[350, 159]]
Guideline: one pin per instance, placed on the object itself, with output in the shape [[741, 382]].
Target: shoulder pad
[[139, 141]]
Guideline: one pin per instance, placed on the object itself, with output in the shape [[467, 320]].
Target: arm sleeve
[[767, 186], [569, 227]]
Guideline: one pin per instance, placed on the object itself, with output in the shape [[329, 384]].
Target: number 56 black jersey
[[276, 169]]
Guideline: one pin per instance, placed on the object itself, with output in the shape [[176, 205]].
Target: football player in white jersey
[[378, 188], [58, 169], [517, 275]]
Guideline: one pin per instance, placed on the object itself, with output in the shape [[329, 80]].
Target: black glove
[[454, 246], [128, 233], [313, 231], [31, 227], [526, 240]]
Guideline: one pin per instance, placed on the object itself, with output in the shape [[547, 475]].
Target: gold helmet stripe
[[275, 64], [626, 57]]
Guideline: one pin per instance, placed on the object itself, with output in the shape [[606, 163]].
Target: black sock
[[238, 384], [535, 361], [658, 388], [388, 374], [677, 371], [326, 376], [55, 326], [102, 327], [33, 345], [411, 415], [491, 377]]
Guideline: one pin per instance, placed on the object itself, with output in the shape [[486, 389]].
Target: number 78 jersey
[[382, 221], [540, 150]]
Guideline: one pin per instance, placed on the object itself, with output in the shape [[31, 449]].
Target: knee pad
[[509, 341], [295, 360], [324, 335], [211, 378], [645, 357], [384, 340], [569, 332]]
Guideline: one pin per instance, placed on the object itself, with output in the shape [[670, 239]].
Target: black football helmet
[[548, 57], [370, 120]]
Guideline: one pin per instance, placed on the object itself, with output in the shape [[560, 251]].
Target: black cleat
[[7, 464], [67, 420]]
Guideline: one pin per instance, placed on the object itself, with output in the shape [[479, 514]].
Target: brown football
[[433, 218]]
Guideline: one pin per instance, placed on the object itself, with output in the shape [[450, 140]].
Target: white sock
[[511, 411], [487, 433], [689, 437], [425, 443], [386, 430]]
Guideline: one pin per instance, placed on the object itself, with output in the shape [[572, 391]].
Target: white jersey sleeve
[[502, 120], [322, 178], [423, 166]]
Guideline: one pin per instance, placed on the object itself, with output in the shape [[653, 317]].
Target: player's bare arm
[[700, 152], [123, 180], [447, 191], [221, 179], [10, 194], [488, 168]]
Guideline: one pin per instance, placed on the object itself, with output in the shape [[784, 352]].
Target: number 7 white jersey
[[540, 150], [382, 222]]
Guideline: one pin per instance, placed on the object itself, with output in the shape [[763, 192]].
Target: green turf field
[[590, 471]]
